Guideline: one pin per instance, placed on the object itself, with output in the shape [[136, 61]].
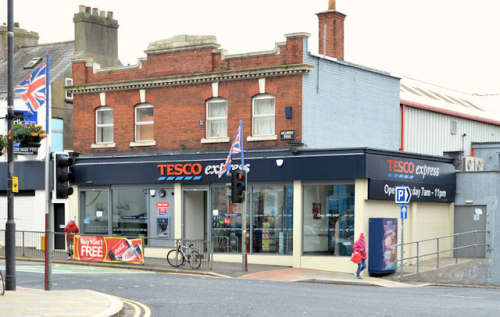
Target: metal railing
[[31, 244], [436, 245]]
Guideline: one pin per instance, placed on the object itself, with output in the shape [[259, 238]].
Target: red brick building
[[188, 95]]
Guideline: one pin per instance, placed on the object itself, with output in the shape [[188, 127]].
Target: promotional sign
[[108, 249], [162, 207]]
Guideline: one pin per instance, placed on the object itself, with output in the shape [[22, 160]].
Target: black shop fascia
[[430, 178]]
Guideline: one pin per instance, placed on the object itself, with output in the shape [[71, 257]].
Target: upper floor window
[[144, 122], [263, 115], [68, 82], [104, 124], [216, 118]]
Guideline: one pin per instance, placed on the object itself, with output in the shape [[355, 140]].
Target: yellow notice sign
[[15, 184]]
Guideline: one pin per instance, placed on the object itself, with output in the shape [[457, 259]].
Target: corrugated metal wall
[[430, 132]]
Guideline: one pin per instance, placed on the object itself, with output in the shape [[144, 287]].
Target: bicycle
[[182, 254]]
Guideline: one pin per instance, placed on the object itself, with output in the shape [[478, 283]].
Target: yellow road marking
[[147, 311]]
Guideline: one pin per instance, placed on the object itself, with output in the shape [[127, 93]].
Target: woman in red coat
[[71, 229], [360, 246]]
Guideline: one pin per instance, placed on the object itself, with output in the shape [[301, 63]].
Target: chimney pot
[[94, 11], [110, 15], [102, 14], [331, 5], [87, 10], [16, 24], [81, 9]]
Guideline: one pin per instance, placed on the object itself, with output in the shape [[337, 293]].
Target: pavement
[[90, 303]]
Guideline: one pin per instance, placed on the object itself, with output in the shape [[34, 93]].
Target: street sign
[[402, 195], [404, 212]]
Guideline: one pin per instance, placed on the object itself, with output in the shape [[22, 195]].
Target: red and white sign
[[162, 207]]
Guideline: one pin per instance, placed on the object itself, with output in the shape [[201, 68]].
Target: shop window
[[270, 215], [130, 211], [226, 222], [272, 219], [217, 118], [104, 125], [95, 212], [328, 219], [144, 123], [263, 115]]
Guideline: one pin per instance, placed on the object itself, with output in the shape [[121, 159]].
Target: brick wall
[[178, 109]]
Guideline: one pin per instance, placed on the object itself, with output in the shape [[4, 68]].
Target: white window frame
[[265, 137], [142, 123], [209, 138], [68, 82], [98, 126]]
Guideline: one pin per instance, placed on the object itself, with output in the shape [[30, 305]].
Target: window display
[[328, 219], [95, 212], [271, 214]]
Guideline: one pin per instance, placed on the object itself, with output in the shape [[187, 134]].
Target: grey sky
[[453, 43]]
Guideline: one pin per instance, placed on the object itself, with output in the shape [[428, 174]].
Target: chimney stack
[[22, 38], [331, 32], [96, 34]]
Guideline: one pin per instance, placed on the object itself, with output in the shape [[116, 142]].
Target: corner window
[[104, 125], [263, 115], [328, 220], [144, 123], [68, 82], [216, 118]]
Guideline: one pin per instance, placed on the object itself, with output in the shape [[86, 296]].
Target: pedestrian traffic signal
[[62, 175], [237, 186]]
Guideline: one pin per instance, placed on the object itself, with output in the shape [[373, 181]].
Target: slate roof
[[485, 108], [60, 53]]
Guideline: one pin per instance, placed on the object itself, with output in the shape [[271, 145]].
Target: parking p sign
[[402, 195]]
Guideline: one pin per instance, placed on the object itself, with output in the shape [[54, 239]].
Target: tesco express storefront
[[303, 209]]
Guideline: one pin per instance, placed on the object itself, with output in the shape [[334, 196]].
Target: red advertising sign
[[108, 249], [162, 207]]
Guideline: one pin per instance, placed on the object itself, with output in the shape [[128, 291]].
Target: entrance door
[[59, 225], [469, 218], [195, 206]]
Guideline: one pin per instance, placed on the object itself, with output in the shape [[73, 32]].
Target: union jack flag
[[34, 89], [236, 147]]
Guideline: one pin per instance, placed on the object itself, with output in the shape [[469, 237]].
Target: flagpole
[[49, 223], [244, 250], [10, 226]]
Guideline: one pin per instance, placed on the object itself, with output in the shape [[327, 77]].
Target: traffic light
[[237, 186], [62, 175]]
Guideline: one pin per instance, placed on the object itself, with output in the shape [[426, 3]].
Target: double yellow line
[[138, 307]]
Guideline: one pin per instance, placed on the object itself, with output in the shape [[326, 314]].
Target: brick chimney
[[96, 34], [331, 32]]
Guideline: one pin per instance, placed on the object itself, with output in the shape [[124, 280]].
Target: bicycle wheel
[[175, 258], [195, 260], [2, 284]]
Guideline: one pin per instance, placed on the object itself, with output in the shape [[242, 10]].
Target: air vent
[[479, 164], [469, 163]]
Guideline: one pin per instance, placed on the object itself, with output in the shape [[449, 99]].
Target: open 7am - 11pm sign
[[108, 249]]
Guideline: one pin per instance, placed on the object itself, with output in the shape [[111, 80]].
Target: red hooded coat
[[360, 246], [71, 227]]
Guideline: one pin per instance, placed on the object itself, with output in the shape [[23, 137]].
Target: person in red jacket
[[360, 246], [71, 229]]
